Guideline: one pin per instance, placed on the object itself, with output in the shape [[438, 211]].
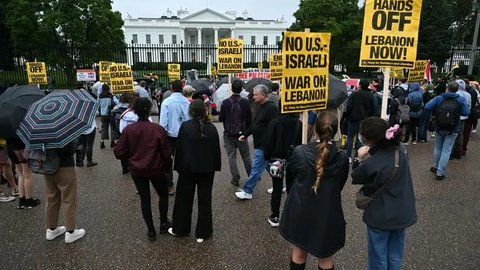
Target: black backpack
[[235, 122], [116, 117], [447, 115]]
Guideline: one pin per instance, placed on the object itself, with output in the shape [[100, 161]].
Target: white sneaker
[[72, 237], [170, 231], [5, 198], [270, 190], [52, 234], [199, 240], [243, 195]]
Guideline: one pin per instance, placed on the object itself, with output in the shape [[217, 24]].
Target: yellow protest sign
[[37, 73], [397, 73], [121, 78], [417, 73], [173, 72], [305, 71], [276, 66], [230, 56], [390, 33], [104, 71]]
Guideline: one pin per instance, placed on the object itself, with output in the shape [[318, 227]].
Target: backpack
[[416, 104], [235, 122], [116, 117], [403, 114], [447, 115], [43, 161]]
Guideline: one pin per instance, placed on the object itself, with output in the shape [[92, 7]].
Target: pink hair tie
[[391, 131]]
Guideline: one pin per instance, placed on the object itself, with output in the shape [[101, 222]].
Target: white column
[[182, 35], [232, 32], [199, 30], [215, 36]]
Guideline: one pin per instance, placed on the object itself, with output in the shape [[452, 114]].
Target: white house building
[[190, 36]]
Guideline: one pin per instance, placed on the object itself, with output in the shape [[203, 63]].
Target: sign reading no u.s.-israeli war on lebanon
[[230, 56], [121, 78], [36, 72], [173, 72], [417, 73], [390, 33], [104, 71], [276, 66], [305, 71]]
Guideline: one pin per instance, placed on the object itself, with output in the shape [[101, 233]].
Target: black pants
[[182, 211], [143, 187], [412, 129], [169, 173], [277, 192], [85, 147]]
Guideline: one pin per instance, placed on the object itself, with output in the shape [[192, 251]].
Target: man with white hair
[[266, 111]]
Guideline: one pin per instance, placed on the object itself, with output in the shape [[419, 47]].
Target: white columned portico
[[216, 35], [199, 31], [232, 32]]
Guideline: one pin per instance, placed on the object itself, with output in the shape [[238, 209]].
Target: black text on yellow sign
[[276, 66], [104, 71], [36, 72], [305, 71], [173, 72], [390, 33], [230, 56], [121, 78], [417, 73]]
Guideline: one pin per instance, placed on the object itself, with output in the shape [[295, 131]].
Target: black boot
[[296, 266]]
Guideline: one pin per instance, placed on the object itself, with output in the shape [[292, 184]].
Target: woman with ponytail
[[197, 158], [312, 218], [392, 209]]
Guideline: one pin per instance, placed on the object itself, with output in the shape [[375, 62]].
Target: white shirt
[[128, 118]]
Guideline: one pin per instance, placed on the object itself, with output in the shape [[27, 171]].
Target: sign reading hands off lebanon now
[[36, 72], [390, 33], [230, 56], [305, 71], [121, 78]]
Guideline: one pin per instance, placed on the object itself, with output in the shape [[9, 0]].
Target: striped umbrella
[[57, 119]]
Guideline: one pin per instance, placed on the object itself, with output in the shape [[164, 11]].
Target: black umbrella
[[202, 86], [337, 92], [14, 104], [225, 80], [254, 82]]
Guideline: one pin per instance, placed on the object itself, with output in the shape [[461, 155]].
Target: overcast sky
[[257, 9]]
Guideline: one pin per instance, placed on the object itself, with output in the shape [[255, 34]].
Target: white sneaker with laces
[[52, 234], [74, 236], [243, 195]]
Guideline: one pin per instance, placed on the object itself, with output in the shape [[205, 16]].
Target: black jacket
[[394, 208], [280, 136], [398, 94], [66, 154], [264, 114], [194, 153], [474, 96], [360, 105], [315, 222]]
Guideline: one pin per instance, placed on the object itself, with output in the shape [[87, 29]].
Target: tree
[[66, 34], [435, 37], [6, 54], [342, 18]]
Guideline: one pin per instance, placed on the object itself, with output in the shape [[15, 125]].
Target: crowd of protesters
[[315, 174]]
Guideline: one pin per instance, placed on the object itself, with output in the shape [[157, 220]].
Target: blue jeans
[[385, 249], [258, 166], [353, 127], [423, 125], [443, 148]]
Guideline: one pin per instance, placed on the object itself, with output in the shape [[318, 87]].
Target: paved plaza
[[447, 235]]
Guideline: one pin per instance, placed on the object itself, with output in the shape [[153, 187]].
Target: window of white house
[[134, 38], [148, 39]]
